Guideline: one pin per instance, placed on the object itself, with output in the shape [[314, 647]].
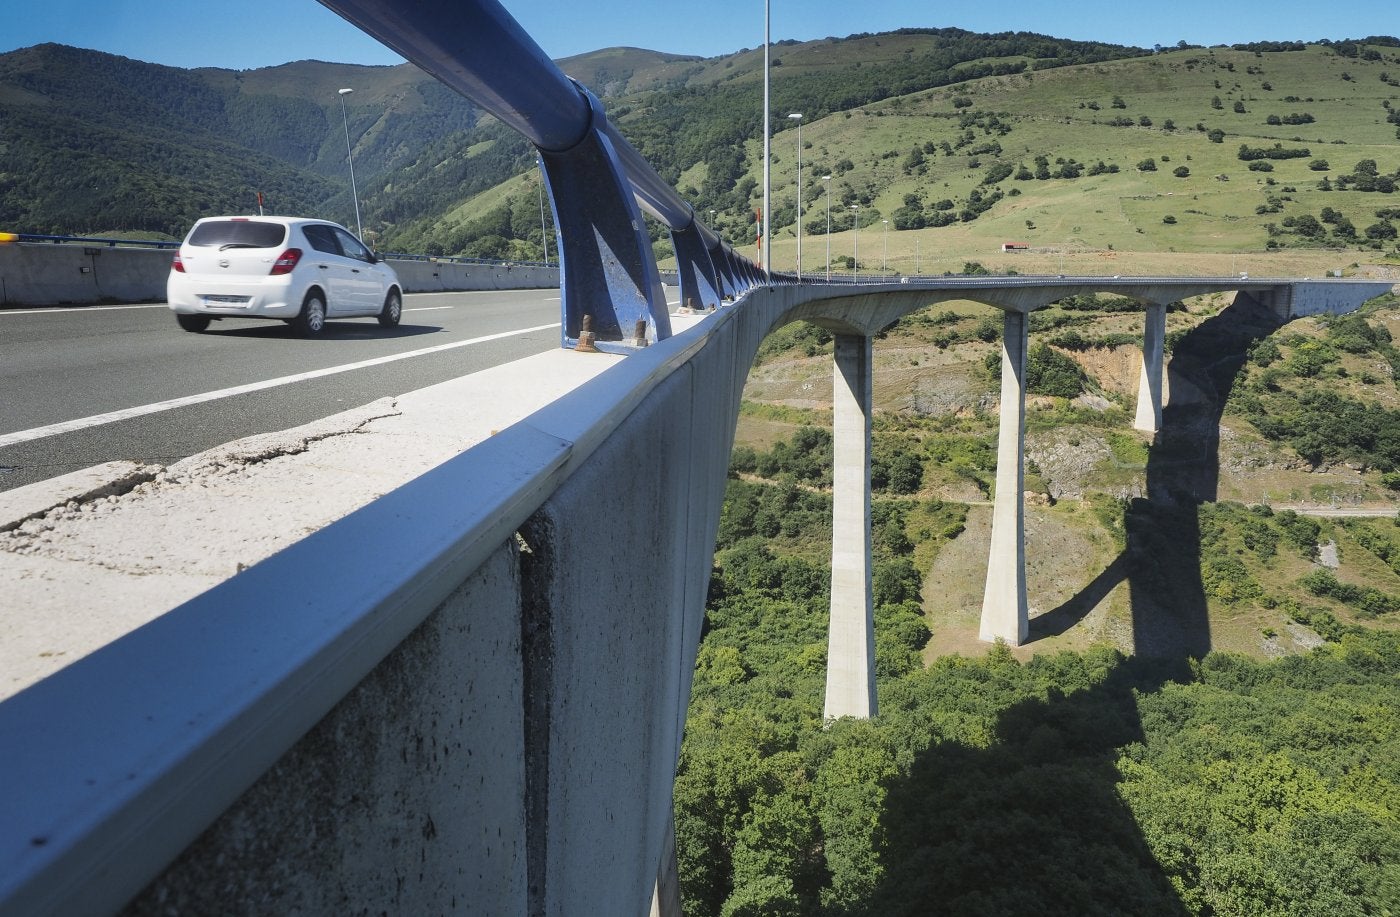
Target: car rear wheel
[[194, 323], [312, 320], [393, 309]]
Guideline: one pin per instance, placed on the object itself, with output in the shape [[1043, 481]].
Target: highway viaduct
[[484, 712]]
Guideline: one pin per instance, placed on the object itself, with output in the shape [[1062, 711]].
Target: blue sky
[[244, 34]]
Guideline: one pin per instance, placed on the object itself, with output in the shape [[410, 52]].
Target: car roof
[[254, 218]]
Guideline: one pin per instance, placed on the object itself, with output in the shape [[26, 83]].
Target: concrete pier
[[666, 899], [1004, 610], [850, 655], [1149, 405]]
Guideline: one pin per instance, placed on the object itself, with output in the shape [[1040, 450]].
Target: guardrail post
[[700, 286], [606, 265], [1004, 606]]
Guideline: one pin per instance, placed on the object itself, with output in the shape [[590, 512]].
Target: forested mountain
[[950, 138], [94, 142]]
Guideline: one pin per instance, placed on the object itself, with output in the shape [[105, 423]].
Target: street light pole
[[827, 180], [855, 244], [767, 152], [544, 231], [885, 258], [797, 116], [350, 156]]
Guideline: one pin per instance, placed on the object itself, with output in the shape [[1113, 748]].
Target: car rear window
[[243, 233]]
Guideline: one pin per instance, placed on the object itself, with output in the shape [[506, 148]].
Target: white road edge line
[[83, 423], [4, 312], [161, 305]]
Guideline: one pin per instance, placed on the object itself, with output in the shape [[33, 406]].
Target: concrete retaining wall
[[42, 274], [1321, 298]]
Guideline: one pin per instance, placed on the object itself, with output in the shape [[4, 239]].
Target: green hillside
[[960, 141], [1128, 153], [1131, 155], [94, 142]]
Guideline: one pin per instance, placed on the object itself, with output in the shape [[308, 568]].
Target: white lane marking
[[161, 305], [523, 292], [430, 308], [83, 423], [4, 312]]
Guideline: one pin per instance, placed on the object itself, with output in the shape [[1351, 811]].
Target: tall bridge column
[[850, 654], [1149, 405], [666, 899], [1004, 613]]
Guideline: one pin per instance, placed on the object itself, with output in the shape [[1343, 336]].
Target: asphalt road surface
[[81, 386]]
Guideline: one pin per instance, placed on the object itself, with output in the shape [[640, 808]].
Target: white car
[[301, 271]]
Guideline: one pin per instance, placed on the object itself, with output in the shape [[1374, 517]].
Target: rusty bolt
[[586, 337]]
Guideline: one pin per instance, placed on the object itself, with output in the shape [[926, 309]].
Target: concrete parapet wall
[[44, 274], [406, 799], [435, 276], [40, 275], [516, 754]]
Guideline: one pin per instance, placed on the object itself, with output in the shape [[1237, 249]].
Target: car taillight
[[177, 265], [286, 261]]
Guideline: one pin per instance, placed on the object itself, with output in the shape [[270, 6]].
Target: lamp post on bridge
[[826, 179], [350, 157], [797, 116], [885, 258], [855, 243], [766, 221]]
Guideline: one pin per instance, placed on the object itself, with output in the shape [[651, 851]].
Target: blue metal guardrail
[[92, 240], [598, 183], [457, 259], [156, 243]]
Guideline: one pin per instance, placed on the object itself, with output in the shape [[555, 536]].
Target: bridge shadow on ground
[[1034, 822], [1161, 558]]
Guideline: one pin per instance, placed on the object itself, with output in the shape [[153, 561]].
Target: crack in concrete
[[128, 477], [267, 447], [43, 523]]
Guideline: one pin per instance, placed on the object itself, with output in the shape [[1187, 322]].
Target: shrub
[[1049, 372]]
